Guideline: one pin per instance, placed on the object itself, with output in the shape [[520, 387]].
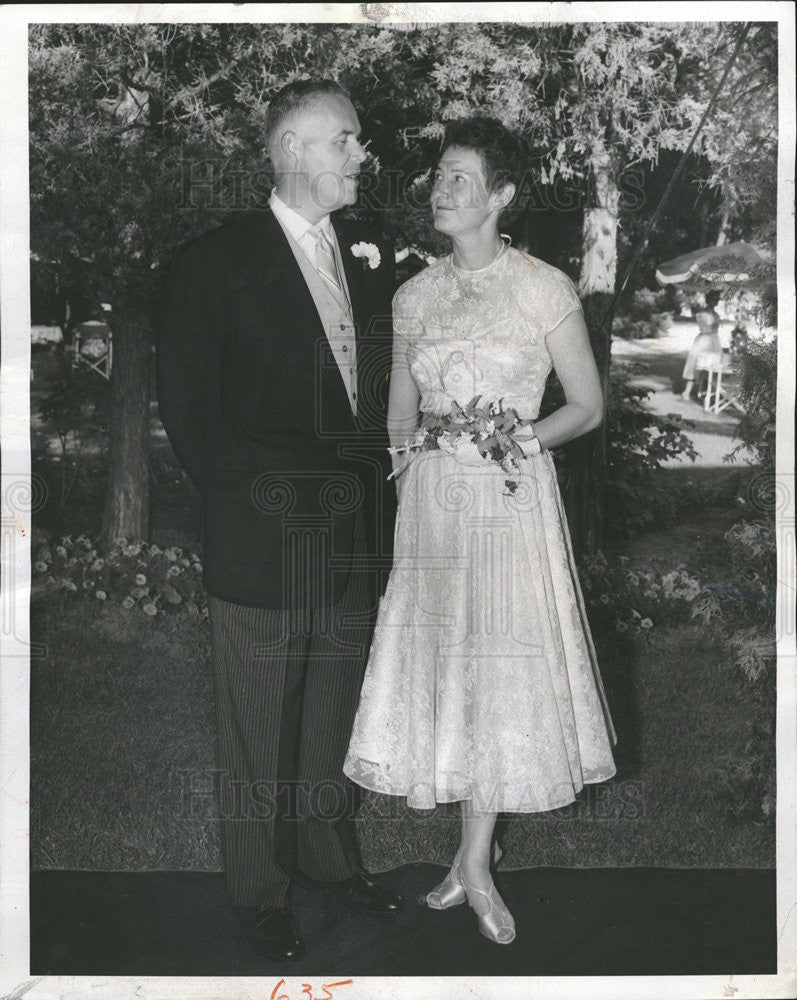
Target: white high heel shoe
[[495, 920], [451, 891]]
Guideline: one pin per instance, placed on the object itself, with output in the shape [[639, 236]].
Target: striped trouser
[[287, 685]]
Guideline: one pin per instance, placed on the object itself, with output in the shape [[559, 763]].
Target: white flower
[[100, 595], [140, 579], [444, 443], [369, 252], [646, 623], [149, 609], [40, 567]]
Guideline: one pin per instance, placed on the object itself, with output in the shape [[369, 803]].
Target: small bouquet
[[488, 428]]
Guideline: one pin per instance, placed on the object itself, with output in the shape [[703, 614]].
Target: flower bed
[[140, 577]]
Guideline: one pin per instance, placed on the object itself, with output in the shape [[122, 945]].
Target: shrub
[[76, 405], [758, 389], [743, 619], [645, 314], [638, 441]]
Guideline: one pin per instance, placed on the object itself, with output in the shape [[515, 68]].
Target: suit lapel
[[279, 254], [275, 254]]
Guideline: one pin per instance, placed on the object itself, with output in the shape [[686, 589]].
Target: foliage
[[143, 135], [76, 406], [644, 314], [739, 139], [634, 601], [742, 619], [138, 576], [638, 441], [757, 391]]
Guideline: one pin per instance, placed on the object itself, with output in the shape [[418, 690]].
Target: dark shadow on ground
[[570, 922]]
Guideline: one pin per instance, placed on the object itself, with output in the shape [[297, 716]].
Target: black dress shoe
[[360, 892], [271, 932]]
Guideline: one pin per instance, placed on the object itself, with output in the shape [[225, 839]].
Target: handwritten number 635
[[307, 990]]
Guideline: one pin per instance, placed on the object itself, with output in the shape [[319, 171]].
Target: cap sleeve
[[406, 323], [563, 300]]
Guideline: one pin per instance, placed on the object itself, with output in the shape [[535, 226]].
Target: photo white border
[[14, 428]]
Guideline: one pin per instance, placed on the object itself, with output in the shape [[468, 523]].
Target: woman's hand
[[574, 364]]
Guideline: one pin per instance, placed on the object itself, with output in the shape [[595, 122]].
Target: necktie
[[325, 259]]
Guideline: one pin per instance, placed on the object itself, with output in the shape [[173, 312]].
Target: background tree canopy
[[144, 135]]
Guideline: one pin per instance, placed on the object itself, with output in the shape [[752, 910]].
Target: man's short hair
[[297, 96]]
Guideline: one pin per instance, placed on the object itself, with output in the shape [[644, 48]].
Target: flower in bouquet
[[486, 426]]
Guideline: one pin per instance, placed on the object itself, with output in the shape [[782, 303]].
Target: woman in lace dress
[[482, 685]]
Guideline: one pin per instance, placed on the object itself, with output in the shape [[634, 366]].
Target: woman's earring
[[506, 238]]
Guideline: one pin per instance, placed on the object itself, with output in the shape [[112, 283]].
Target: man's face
[[329, 153]]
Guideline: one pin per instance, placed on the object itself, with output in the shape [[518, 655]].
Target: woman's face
[[460, 200]]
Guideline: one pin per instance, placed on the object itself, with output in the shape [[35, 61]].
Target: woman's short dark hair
[[502, 152], [298, 96]]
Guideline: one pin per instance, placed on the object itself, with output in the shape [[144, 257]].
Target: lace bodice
[[483, 332]]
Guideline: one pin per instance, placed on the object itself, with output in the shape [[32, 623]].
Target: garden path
[[663, 358]]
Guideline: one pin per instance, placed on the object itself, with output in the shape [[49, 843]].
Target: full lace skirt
[[482, 682]]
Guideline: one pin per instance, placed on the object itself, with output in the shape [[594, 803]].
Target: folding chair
[[721, 386], [94, 343]]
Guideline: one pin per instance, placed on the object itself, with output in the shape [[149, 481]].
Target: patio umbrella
[[711, 265]]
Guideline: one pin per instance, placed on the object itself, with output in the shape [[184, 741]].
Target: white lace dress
[[482, 681]]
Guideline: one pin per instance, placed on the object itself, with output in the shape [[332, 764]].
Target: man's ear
[[289, 146]]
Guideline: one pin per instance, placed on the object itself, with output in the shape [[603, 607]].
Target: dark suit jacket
[[256, 410]]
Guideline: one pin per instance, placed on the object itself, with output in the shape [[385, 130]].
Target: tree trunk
[[725, 228], [587, 455], [127, 500]]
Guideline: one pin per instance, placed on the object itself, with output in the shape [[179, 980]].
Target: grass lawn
[[122, 728]]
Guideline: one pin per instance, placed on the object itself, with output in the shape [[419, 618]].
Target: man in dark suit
[[273, 351]]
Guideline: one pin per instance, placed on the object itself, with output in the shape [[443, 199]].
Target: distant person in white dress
[[482, 685], [706, 348]]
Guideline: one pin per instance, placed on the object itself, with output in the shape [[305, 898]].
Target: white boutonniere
[[369, 253]]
